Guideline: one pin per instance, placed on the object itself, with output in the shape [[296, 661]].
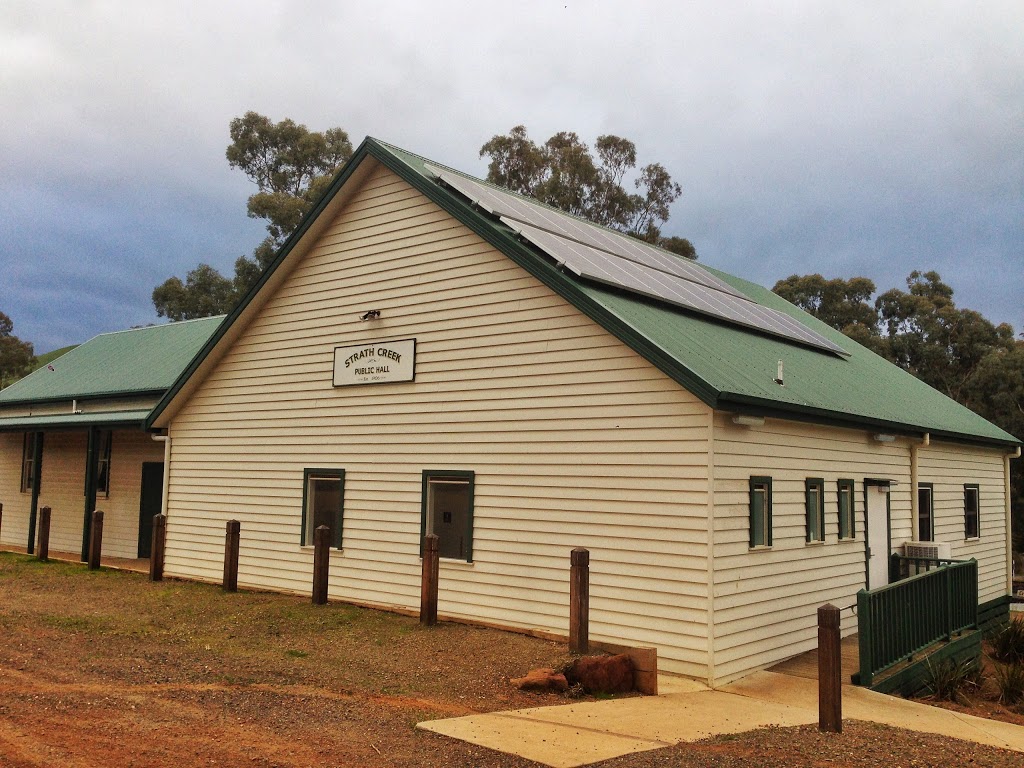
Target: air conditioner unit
[[927, 550]]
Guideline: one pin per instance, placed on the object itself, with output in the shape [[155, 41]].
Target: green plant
[[1007, 642], [1010, 681], [951, 679]]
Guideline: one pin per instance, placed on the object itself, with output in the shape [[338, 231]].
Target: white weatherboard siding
[[948, 468], [62, 488], [14, 525], [575, 440], [121, 508], [766, 600]]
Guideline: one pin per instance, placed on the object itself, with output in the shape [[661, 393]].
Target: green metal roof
[[138, 361], [729, 367]]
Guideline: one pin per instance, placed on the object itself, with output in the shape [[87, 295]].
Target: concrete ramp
[[579, 734]]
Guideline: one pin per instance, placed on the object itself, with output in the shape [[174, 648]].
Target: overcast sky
[[868, 138]]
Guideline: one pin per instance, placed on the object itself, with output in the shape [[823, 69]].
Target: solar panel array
[[599, 254]]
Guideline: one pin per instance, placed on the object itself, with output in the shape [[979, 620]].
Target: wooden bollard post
[[44, 534], [95, 540], [231, 537], [429, 579], [156, 551], [830, 664], [321, 563], [579, 601]]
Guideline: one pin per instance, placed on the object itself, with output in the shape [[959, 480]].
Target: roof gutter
[[730, 401], [80, 396]]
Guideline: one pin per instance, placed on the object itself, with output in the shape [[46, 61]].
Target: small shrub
[[952, 680], [1007, 643], [1010, 681]]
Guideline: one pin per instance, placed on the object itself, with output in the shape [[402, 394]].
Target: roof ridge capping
[[153, 326]]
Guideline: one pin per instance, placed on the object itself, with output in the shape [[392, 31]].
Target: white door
[[878, 535]]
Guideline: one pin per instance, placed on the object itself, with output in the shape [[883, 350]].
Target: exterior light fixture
[[372, 314], [883, 438], [748, 421]]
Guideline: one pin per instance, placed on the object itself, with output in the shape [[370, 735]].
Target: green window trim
[[846, 509], [309, 475], [925, 513], [972, 511], [760, 511], [432, 480], [814, 496]]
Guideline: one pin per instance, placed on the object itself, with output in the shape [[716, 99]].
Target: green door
[[150, 502]]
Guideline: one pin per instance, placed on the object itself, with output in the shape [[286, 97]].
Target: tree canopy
[[291, 167], [843, 304], [16, 356], [957, 351], [565, 174]]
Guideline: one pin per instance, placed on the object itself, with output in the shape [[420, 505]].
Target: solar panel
[[500, 203], [605, 256], [593, 264]]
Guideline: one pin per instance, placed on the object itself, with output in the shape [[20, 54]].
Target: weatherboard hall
[[429, 353]]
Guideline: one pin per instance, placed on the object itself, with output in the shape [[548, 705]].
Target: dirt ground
[[108, 669]]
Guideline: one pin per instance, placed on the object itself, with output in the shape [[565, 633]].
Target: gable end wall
[[575, 439]]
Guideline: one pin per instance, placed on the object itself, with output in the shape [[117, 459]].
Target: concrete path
[[579, 734]]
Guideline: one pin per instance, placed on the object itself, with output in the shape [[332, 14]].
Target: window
[[104, 439], [447, 511], [323, 499], [924, 512], [28, 460], [972, 514], [760, 512], [846, 527], [814, 491]]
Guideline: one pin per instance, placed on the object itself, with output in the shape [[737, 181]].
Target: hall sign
[[377, 362]]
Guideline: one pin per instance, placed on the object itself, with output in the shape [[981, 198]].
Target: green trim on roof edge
[[597, 303], [505, 241], [339, 181], [541, 269]]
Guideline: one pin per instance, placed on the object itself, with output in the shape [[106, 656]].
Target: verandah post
[[231, 537], [321, 563], [864, 629], [95, 540], [44, 534], [429, 580], [156, 553], [830, 675], [579, 600]]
